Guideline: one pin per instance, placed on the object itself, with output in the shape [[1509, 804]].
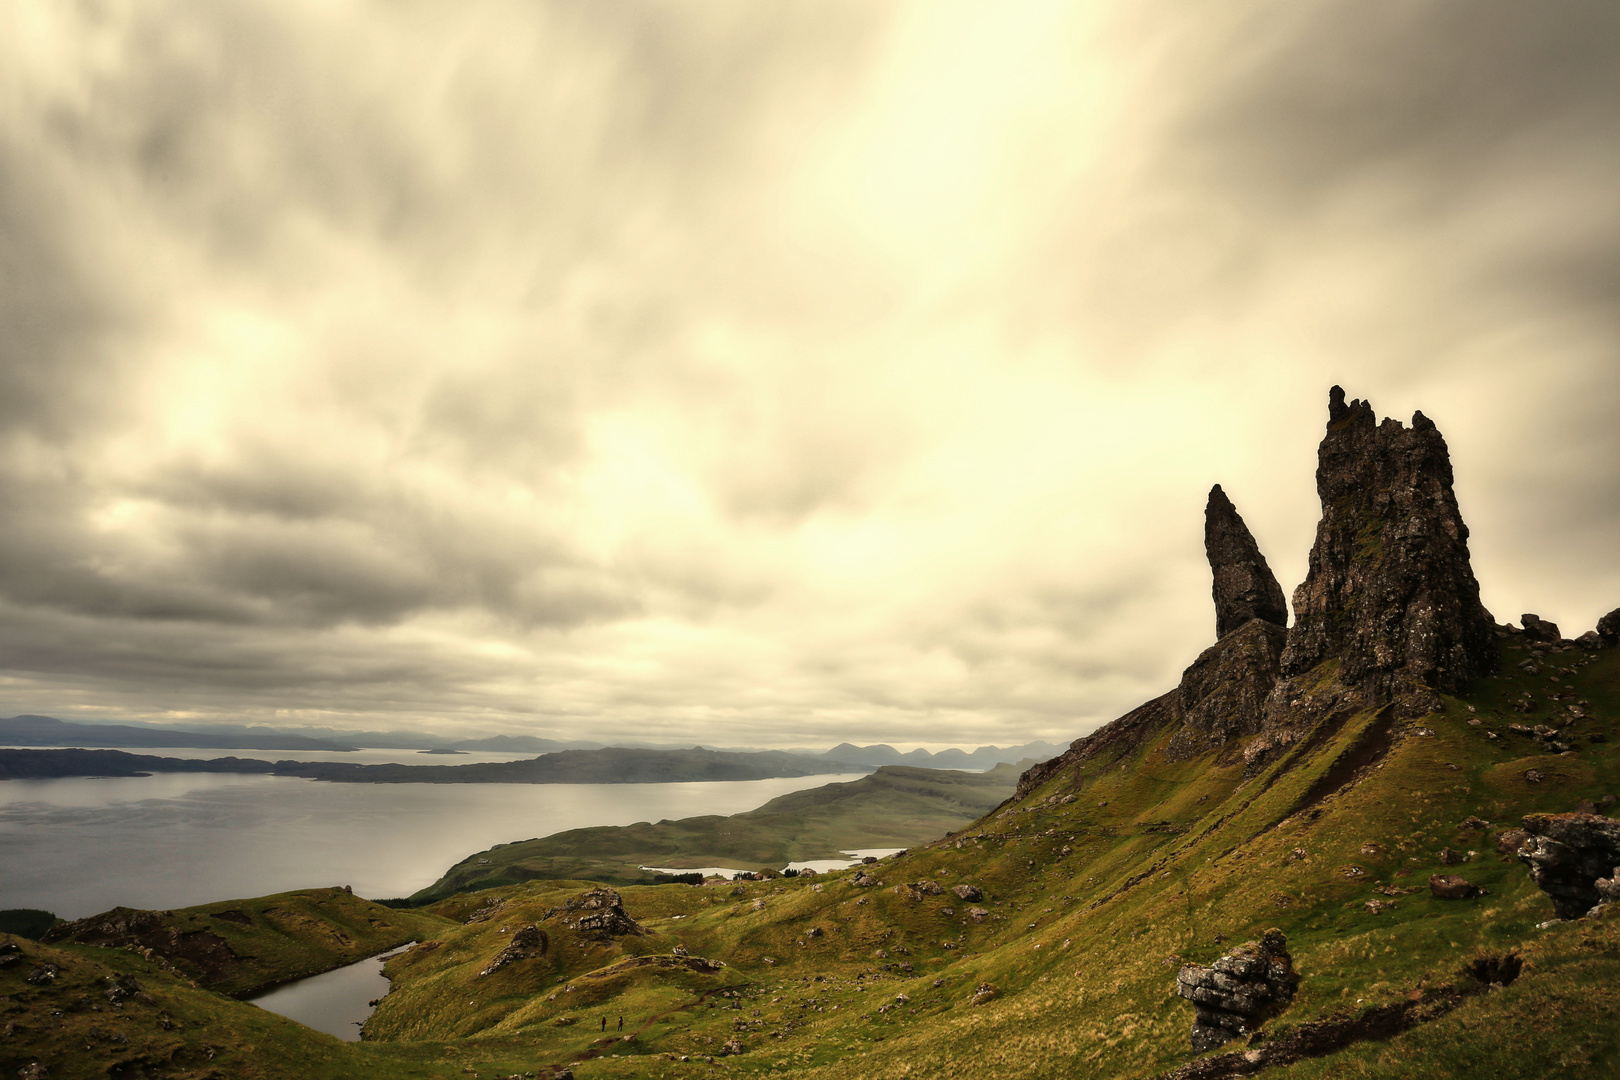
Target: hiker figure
[[604, 1023], [621, 1023]]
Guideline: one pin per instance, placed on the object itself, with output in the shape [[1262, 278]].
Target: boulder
[[1244, 586], [1509, 841], [1453, 887], [1567, 854], [1608, 628], [1538, 629], [1238, 992], [969, 893], [1591, 641]]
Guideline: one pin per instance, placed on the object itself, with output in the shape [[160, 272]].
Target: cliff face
[[1245, 588], [1390, 591]]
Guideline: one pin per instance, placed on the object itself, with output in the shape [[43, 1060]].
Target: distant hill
[[49, 731], [893, 807]]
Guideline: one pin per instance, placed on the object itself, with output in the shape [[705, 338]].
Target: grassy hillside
[[238, 946], [1096, 886], [893, 807]]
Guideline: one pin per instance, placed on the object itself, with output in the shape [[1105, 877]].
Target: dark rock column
[[1245, 588], [1390, 591]]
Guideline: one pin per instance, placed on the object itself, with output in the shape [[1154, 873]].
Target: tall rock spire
[[1245, 588], [1390, 591]]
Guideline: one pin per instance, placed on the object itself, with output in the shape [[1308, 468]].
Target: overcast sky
[[765, 373]]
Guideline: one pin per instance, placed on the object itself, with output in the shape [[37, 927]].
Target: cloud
[[763, 375]]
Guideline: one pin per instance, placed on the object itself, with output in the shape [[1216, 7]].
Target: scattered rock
[[1509, 841], [1453, 887], [969, 893], [1452, 857], [978, 914], [982, 993], [863, 880], [1591, 641], [1238, 992], [916, 890], [1532, 776], [1567, 854], [1379, 906], [732, 1046], [527, 943], [43, 975], [33, 1071], [1471, 823]]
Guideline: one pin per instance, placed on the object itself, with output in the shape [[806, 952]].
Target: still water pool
[[336, 1002]]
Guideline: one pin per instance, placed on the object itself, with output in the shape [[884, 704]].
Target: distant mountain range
[[49, 731], [984, 757], [609, 765]]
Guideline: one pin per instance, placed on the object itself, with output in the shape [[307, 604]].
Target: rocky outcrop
[[1245, 588], [527, 943], [1608, 628], [201, 954], [1222, 696], [1390, 592], [1567, 854], [1238, 992], [596, 914]]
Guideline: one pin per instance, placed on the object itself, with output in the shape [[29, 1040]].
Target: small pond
[[336, 1002]]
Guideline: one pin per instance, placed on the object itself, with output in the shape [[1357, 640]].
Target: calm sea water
[[80, 846]]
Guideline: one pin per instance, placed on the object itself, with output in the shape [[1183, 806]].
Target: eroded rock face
[[1245, 588], [1567, 854], [599, 913], [1238, 992], [1390, 591], [1223, 694]]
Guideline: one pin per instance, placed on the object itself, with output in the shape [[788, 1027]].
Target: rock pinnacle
[[1245, 588]]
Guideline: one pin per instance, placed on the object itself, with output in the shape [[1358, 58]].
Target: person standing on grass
[[604, 1023], [621, 1023]]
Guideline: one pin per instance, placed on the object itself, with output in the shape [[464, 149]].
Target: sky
[[765, 374]]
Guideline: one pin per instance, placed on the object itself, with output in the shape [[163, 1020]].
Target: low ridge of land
[[894, 807]]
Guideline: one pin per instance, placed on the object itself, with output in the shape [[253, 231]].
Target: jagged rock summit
[[1390, 592], [1388, 615], [1245, 588]]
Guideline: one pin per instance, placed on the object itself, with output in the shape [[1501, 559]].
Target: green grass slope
[[239, 946], [1095, 888], [893, 807]]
